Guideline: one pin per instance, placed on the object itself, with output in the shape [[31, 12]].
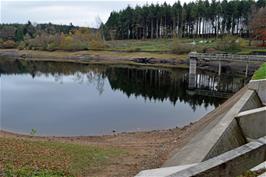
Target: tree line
[[201, 18], [19, 32], [49, 37]]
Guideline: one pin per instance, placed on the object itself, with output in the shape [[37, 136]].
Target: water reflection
[[75, 99]]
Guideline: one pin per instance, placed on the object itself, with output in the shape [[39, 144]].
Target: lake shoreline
[[123, 58], [149, 59], [146, 149]]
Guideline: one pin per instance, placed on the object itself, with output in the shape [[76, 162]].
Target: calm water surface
[[65, 99]]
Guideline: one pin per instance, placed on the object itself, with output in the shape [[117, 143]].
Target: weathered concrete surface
[[159, 172], [231, 138], [262, 175], [231, 163], [221, 135], [260, 87], [252, 102], [259, 167], [229, 144], [253, 122]]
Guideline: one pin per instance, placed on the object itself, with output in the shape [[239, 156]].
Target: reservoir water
[[66, 99]]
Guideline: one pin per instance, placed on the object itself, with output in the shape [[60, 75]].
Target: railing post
[[246, 74], [192, 71], [220, 67]]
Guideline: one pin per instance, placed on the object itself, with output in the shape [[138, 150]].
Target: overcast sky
[[81, 13]]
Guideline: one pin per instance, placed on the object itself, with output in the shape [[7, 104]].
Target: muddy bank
[[128, 58], [100, 57]]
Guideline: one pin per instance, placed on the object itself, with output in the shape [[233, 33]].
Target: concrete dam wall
[[236, 137]]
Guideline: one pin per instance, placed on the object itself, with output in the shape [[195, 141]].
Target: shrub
[[228, 44], [1, 43], [9, 44], [180, 48], [81, 39], [136, 49], [22, 45]]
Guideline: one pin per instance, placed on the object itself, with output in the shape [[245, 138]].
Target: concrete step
[[260, 167], [262, 175]]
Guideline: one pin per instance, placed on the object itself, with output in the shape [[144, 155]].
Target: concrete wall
[[232, 136], [221, 135], [252, 102], [260, 87], [230, 139], [226, 146], [253, 122], [229, 164]]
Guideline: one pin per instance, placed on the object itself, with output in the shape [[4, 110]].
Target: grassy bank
[[122, 154], [124, 51], [100, 57], [260, 73], [227, 44], [26, 158]]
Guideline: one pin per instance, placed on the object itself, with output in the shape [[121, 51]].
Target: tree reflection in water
[[152, 84]]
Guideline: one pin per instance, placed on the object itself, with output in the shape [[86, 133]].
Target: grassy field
[[260, 73], [169, 45], [156, 45], [26, 158]]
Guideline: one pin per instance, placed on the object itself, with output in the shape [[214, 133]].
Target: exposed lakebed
[[67, 99]]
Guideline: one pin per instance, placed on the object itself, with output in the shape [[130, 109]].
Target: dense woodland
[[49, 37], [18, 32], [202, 18]]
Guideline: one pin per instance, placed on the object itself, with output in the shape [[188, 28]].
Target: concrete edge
[[159, 172], [252, 111], [259, 86], [216, 163]]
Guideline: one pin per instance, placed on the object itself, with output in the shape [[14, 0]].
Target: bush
[[136, 49], [81, 39], [9, 44], [228, 44], [180, 48], [1, 43], [22, 45]]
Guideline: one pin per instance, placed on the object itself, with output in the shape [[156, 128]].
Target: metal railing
[[227, 57]]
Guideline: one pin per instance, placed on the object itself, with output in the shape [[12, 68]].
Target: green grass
[[251, 50], [260, 73], [155, 45], [166, 45], [27, 158]]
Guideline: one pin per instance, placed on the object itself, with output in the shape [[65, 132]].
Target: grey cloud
[[82, 13]]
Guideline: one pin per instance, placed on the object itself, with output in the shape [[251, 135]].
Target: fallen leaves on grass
[[43, 158]]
